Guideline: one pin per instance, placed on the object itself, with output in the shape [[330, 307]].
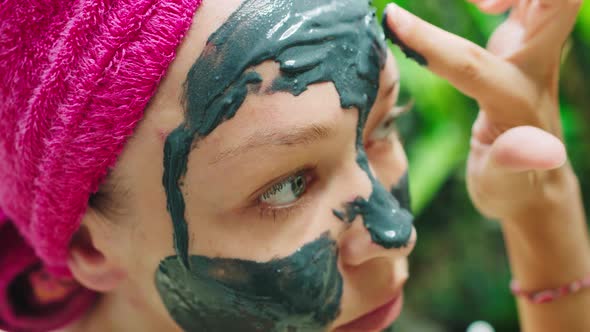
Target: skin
[[121, 249]]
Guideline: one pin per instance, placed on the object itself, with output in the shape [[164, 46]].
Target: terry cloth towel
[[75, 78]]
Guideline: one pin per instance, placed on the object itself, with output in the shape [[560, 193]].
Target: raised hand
[[518, 171], [516, 143]]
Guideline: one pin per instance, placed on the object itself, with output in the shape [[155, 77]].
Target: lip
[[378, 319]]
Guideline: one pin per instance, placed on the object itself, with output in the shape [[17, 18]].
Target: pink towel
[[75, 78]]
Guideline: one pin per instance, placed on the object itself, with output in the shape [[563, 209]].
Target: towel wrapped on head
[[75, 79]]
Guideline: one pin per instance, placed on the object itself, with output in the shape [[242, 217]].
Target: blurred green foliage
[[459, 270]]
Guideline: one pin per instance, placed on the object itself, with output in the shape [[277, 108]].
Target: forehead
[[313, 42], [272, 115], [212, 16]]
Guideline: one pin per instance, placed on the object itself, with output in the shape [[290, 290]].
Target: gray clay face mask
[[313, 41]]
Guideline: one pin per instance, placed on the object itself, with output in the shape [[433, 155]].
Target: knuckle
[[470, 67], [469, 70]]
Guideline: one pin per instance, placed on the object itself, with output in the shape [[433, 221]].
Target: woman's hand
[[518, 171], [516, 146]]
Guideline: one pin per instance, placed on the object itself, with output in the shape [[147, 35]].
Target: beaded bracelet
[[550, 295]]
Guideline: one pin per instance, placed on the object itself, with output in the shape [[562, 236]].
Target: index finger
[[470, 68]]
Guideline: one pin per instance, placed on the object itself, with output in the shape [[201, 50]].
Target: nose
[[389, 224]]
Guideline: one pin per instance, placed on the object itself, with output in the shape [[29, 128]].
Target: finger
[[527, 148], [470, 68]]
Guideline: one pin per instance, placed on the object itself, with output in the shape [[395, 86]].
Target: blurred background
[[459, 269]]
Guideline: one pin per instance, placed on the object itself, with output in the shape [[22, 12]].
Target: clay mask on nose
[[386, 215], [313, 41]]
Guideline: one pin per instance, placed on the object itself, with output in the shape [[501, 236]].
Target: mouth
[[378, 319]]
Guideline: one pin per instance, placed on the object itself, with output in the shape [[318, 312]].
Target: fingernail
[[400, 17]]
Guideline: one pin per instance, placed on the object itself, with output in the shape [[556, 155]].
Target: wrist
[[548, 246]]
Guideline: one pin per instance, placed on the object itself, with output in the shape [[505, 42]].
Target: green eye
[[287, 191]]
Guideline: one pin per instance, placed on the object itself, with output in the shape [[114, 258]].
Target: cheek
[[301, 292], [139, 246], [145, 243]]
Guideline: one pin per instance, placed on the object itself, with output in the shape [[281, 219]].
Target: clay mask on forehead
[[313, 41]]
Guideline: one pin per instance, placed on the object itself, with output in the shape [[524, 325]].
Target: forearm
[[548, 247]]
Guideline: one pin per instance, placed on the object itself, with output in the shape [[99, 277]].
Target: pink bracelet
[[549, 295]]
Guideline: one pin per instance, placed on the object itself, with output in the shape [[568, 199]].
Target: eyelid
[[283, 212]]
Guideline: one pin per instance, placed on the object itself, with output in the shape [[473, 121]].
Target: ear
[[89, 264]]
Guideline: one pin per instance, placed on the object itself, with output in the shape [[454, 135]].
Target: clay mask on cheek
[[313, 41], [298, 293]]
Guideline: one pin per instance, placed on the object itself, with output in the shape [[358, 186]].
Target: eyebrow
[[303, 135]]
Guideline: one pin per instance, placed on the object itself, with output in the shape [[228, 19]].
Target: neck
[[116, 312]]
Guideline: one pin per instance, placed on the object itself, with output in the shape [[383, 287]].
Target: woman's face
[[274, 213]]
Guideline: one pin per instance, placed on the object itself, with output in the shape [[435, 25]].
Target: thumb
[[527, 148]]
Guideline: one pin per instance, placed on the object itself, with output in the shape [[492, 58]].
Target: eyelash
[[283, 212]]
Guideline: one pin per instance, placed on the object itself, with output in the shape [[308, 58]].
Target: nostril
[[357, 247]]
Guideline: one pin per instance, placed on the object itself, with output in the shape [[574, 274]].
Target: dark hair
[[100, 200], [108, 199]]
